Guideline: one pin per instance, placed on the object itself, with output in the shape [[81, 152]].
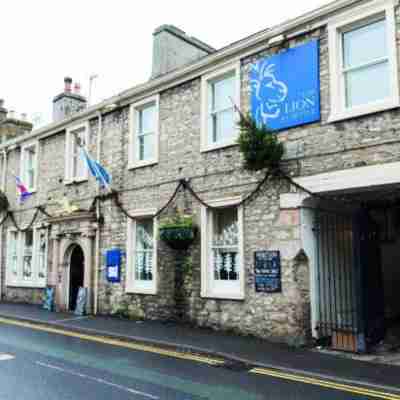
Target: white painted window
[[27, 258], [363, 63], [144, 137], [13, 256], [220, 93], [29, 162], [222, 251], [75, 167], [27, 255], [142, 254], [41, 254]]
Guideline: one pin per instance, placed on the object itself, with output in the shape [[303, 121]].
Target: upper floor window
[[143, 147], [29, 166], [220, 94], [75, 168], [27, 258], [222, 250], [363, 62], [142, 254]]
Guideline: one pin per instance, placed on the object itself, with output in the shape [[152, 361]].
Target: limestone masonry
[[279, 217]]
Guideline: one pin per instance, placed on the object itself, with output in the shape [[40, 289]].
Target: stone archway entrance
[[76, 274], [73, 258]]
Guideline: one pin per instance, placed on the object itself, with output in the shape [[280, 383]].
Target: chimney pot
[[77, 88], [67, 84]]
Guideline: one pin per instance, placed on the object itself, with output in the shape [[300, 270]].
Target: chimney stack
[[10, 125], [68, 103], [173, 48]]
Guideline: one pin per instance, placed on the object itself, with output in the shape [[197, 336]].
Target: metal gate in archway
[[349, 285]]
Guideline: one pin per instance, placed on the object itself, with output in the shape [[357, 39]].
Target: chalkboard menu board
[[80, 308], [267, 271]]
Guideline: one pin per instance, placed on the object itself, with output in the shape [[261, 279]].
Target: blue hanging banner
[[285, 88], [113, 265]]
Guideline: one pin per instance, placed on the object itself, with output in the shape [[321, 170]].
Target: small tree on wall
[[258, 144]]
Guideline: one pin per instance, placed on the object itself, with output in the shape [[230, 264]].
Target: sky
[[43, 41]]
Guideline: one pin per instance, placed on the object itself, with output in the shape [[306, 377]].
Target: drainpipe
[[97, 239], [3, 187]]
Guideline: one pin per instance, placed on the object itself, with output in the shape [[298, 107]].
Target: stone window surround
[[133, 118], [227, 290], [131, 284], [346, 21], [23, 174], [20, 282], [69, 179], [205, 82]]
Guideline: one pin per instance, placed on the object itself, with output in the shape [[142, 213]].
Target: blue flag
[[98, 171]]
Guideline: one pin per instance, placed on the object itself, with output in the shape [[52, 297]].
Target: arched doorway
[[76, 274]]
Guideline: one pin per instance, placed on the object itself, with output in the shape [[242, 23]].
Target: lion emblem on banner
[[269, 91]]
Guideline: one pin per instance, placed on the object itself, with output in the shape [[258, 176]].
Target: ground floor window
[[222, 251], [141, 255], [27, 258]]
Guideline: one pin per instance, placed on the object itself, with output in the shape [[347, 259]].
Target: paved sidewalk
[[252, 351]]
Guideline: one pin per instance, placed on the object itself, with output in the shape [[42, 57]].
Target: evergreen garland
[[258, 144]]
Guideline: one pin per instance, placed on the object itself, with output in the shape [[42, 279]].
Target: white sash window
[[27, 258], [222, 250], [220, 93], [29, 163], [144, 133], [75, 167], [141, 271], [363, 61]]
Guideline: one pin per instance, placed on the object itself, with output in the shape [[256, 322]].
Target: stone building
[[331, 93]]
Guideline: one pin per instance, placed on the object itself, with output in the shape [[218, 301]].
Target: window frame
[[24, 173], [133, 285], [211, 288], [206, 81], [69, 178], [134, 111], [346, 22], [20, 281]]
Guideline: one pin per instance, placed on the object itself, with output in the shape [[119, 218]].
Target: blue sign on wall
[[285, 88], [113, 265]]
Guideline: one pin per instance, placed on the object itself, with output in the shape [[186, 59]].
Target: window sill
[[73, 181], [26, 285], [223, 296], [364, 110], [142, 164], [141, 290], [207, 148]]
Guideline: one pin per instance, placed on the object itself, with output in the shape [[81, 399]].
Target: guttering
[[230, 53]]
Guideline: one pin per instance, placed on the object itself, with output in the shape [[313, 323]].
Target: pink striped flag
[[22, 190]]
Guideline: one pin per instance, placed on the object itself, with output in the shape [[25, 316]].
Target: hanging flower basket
[[178, 232]]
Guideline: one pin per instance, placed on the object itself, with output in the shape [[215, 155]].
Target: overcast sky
[[44, 40]]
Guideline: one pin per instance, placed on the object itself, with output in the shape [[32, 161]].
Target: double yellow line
[[116, 342], [326, 384], [214, 361]]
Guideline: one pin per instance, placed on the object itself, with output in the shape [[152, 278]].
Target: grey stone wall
[[313, 148]]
